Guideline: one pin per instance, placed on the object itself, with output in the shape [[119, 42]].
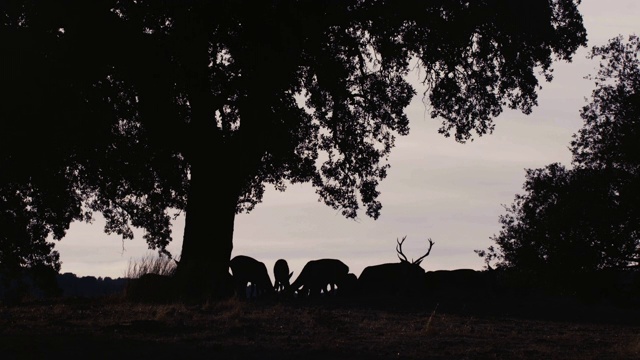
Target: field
[[112, 328]]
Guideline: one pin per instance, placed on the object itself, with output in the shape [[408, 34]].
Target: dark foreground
[[113, 328]]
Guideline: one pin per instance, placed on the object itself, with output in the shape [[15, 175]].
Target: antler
[[417, 262], [399, 249]]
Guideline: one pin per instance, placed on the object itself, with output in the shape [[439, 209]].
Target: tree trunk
[[219, 170], [203, 270]]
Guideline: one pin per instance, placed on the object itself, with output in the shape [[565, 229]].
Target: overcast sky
[[436, 188]]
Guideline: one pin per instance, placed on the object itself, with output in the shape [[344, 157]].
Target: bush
[[151, 279]]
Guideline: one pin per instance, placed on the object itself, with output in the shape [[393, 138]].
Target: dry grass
[[151, 263], [234, 329]]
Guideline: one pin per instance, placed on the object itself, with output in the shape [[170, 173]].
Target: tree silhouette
[[608, 139], [580, 220], [607, 142], [564, 222], [134, 109]]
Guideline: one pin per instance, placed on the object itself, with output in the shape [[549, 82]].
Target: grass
[[151, 263], [235, 329], [431, 318]]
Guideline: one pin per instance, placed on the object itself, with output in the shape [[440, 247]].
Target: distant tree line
[[42, 282]]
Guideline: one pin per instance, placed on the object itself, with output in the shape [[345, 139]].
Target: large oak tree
[[136, 108]]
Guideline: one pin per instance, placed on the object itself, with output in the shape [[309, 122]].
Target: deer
[[403, 278], [282, 275], [317, 275], [247, 270]]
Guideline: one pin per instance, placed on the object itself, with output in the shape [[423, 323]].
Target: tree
[[568, 221], [23, 238], [139, 108], [584, 219], [608, 138]]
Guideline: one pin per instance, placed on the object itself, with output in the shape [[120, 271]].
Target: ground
[[109, 328]]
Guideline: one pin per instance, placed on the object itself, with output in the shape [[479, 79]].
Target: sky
[[436, 188]]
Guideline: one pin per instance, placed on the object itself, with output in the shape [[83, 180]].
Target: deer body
[[317, 275], [247, 270]]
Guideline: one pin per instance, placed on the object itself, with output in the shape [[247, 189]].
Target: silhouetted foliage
[[27, 259], [23, 234], [563, 222], [131, 108], [609, 136], [585, 219], [608, 141]]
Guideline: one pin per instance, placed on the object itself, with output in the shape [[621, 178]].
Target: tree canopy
[[608, 138], [138, 108], [585, 218]]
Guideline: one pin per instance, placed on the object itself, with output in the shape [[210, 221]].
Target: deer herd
[[330, 277]]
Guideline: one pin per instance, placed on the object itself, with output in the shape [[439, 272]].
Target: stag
[[318, 275], [247, 270], [403, 278], [282, 275]]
